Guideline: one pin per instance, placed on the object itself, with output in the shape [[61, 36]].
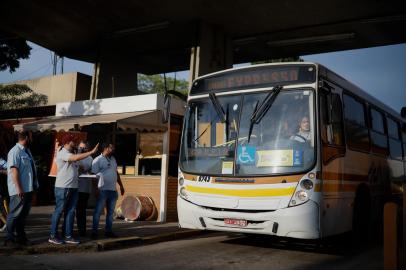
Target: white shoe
[[2, 229]]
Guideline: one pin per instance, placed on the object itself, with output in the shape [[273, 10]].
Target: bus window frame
[[364, 104]]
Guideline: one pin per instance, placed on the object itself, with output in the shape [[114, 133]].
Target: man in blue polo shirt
[[22, 181], [105, 166]]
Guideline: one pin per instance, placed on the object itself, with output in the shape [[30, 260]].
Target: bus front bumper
[[300, 221]]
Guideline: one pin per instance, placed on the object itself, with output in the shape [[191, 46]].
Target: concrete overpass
[[124, 37]]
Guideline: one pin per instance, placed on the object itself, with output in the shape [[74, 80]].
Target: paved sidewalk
[[130, 234]]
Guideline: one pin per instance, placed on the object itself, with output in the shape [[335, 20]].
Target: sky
[[380, 71]]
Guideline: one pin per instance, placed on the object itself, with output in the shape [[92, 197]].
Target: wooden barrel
[[137, 207]]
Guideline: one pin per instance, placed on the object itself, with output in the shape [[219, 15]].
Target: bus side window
[[395, 144], [356, 130], [337, 120], [379, 140]]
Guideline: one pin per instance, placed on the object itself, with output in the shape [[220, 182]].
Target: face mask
[[81, 150]]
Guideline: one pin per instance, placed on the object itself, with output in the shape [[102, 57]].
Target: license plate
[[236, 222]]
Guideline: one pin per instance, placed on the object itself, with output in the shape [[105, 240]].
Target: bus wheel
[[361, 222]]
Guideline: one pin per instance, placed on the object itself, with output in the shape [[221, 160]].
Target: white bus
[[287, 149]]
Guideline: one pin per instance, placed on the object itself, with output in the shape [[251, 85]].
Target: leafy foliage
[[16, 96], [156, 84], [11, 51]]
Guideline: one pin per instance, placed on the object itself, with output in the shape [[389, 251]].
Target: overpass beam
[[213, 51]]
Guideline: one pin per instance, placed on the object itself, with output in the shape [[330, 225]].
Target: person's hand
[[122, 191], [95, 149], [20, 192]]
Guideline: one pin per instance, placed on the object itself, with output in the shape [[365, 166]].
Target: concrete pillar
[[114, 76], [213, 51]]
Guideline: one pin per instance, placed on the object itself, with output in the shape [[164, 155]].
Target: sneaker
[[71, 240], [55, 240], [110, 235], [94, 236]]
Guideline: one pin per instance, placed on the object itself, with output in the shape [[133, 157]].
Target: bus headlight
[[302, 195], [181, 181], [183, 192], [306, 184]]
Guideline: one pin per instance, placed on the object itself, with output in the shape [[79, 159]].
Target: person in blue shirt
[[105, 166], [3, 213], [21, 181]]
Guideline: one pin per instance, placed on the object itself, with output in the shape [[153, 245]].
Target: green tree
[[12, 49], [156, 84], [277, 60], [16, 96]]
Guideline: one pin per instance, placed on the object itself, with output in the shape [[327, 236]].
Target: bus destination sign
[[252, 78]]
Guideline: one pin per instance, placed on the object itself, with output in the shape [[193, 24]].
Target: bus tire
[[361, 222]]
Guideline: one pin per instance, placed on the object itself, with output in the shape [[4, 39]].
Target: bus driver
[[304, 133]]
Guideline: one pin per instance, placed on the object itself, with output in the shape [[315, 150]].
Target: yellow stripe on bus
[[243, 192]]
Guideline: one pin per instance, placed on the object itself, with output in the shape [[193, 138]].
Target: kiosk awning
[[145, 120]]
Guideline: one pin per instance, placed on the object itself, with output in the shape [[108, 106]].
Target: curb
[[147, 240], [103, 245]]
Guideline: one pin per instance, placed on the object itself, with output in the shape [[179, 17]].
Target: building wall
[[61, 88]]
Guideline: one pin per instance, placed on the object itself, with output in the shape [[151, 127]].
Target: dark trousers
[[18, 212], [81, 212]]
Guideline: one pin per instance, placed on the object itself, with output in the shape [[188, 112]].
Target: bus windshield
[[281, 142]]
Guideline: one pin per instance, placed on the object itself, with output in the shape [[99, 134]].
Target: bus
[[287, 149]]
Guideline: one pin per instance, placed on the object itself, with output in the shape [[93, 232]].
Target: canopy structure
[[145, 120]]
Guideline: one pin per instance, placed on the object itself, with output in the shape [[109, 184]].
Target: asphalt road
[[212, 251]]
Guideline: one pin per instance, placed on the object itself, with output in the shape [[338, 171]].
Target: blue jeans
[[108, 198], [19, 210], [65, 202]]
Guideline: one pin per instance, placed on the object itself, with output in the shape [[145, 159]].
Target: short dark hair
[[22, 135], [85, 143], [106, 145]]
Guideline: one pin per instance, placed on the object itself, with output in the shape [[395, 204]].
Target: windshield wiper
[[217, 106], [260, 111]]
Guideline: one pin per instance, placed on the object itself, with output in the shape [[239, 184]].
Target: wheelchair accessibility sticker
[[246, 155]]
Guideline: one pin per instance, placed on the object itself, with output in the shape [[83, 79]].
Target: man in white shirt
[[105, 166], [85, 188]]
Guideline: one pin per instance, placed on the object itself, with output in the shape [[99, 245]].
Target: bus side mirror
[[403, 112], [329, 104]]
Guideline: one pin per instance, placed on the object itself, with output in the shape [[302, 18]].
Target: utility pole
[[54, 64]]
